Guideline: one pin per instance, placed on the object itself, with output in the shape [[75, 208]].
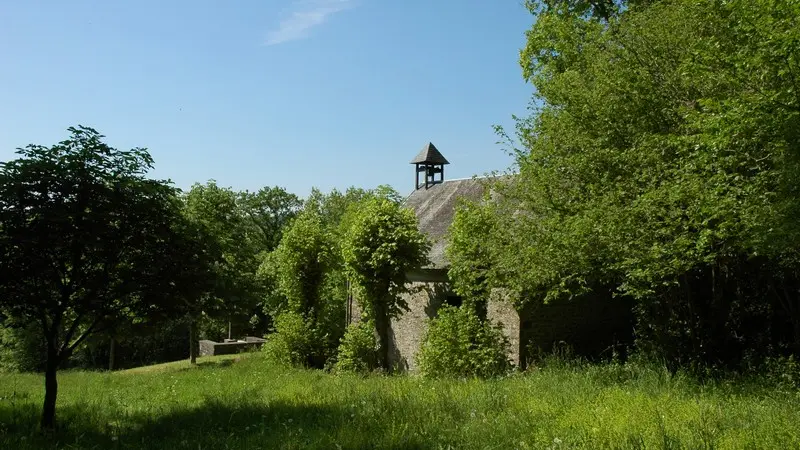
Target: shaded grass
[[205, 361], [250, 403]]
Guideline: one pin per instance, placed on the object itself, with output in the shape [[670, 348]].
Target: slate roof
[[429, 154], [435, 209]]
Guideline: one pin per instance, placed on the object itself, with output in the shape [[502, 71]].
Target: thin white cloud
[[305, 15]]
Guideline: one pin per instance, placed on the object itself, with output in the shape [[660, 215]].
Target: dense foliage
[[294, 341], [358, 351], [382, 244], [459, 344], [302, 263], [87, 242], [309, 273], [22, 348], [246, 226], [470, 257], [661, 162]]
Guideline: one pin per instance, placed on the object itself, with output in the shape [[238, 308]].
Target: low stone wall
[[211, 348]]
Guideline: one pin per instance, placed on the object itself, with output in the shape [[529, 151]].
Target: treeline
[[359, 244], [661, 163], [239, 230], [275, 263], [101, 266]]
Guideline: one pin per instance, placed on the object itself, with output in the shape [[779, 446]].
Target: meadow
[[245, 402]]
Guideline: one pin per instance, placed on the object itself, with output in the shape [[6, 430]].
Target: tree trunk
[[112, 354], [382, 327], [482, 308], [793, 309], [796, 329], [794, 318], [790, 304], [192, 339], [50, 391]]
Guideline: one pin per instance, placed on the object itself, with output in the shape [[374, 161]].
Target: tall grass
[[249, 403]]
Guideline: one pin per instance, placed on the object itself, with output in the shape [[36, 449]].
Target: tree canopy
[[661, 159], [382, 244], [247, 226], [86, 240]]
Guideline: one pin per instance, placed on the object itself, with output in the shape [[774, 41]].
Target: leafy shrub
[[459, 344], [358, 351], [22, 349], [782, 372], [292, 341], [136, 345]]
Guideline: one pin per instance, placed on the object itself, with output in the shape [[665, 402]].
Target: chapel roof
[[435, 209]]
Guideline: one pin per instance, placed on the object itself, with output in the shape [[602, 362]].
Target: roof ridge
[[474, 177]]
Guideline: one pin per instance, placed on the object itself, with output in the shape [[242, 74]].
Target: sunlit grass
[[246, 402]]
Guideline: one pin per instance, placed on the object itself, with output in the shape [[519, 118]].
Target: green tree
[[302, 261], [662, 161], [266, 213], [358, 350], [382, 244], [247, 226], [470, 254], [214, 209], [308, 268], [87, 240], [598, 9]]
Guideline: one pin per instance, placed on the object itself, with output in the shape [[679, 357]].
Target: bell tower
[[430, 163]]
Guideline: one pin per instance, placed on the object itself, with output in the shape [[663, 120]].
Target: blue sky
[[325, 93]]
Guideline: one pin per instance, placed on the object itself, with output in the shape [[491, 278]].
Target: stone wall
[[592, 326], [424, 300], [409, 329], [500, 310], [211, 348], [428, 292]]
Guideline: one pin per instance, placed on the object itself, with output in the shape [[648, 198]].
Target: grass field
[[247, 403]]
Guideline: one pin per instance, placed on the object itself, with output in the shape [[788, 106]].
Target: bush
[[22, 349], [291, 342], [459, 344], [297, 342], [782, 372], [136, 345], [358, 351]]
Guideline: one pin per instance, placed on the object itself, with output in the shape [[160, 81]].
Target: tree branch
[[71, 331], [43, 321], [82, 337]]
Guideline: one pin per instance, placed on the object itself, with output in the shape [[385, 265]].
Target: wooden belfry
[[430, 162]]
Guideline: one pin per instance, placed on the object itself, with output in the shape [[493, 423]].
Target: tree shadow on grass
[[211, 364], [214, 425]]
